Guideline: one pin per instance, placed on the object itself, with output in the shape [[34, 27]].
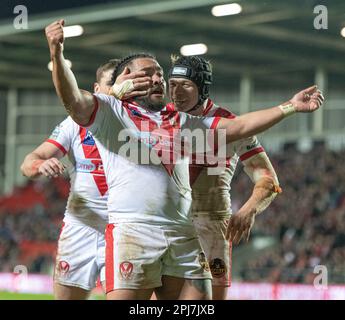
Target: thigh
[[76, 259], [170, 289], [63, 292], [219, 292], [196, 289], [130, 294]]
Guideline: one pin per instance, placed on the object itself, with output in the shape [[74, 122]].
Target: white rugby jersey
[[144, 189], [87, 202], [211, 193]]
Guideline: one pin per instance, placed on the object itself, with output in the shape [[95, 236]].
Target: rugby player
[[80, 257], [190, 79]]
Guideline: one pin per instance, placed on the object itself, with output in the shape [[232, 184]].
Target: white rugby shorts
[[80, 256], [218, 250], [138, 255]]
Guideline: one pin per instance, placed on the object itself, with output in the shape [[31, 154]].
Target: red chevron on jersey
[[91, 152], [165, 138], [209, 160]]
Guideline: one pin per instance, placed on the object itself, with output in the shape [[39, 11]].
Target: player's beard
[[147, 103]]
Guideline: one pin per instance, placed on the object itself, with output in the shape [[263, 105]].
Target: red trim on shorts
[[251, 153], [94, 112], [62, 226], [55, 143], [109, 258]]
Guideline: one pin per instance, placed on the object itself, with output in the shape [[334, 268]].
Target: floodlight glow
[[73, 31], [50, 64], [193, 49], [226, 10], [342, 32]]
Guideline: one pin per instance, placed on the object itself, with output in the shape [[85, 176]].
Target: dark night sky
[[43, 6]]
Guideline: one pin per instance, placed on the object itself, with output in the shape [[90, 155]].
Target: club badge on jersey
[[88, 140]]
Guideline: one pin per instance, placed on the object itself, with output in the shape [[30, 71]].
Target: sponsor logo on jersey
[[126, 269], [146, 138], [135, 112], [88, 140], [85, 165], [218, 268], [63, 267], [203, 262], [253, 145]]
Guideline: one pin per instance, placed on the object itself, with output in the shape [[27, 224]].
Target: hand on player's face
[[183, 93], [51, 168], [240, 225], [155, 92], [308, 100], [55, 37], [141, 83]]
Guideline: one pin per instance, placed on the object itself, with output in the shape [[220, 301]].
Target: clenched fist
[[55, 37]]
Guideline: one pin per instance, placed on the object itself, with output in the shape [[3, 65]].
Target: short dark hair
[[125, 61], [109, 65]]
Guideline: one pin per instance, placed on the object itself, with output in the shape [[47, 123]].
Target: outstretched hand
[[308, 100]]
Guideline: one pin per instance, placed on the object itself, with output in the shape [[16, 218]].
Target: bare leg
[[198, 289], [170, 289], [219, 293], [130, 294], [63, 292]]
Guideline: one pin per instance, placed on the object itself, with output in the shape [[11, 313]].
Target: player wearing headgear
[[190, 78]]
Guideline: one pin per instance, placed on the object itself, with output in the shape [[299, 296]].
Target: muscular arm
[[43, 160], [78, 103], [262, 173], [252, 123]]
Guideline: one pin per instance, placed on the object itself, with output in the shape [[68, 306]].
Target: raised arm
[[44, 160], [78, 103], [263, 175], [252, 123]]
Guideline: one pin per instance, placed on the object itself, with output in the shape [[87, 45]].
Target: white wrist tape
[[287, 109], [119, 90]]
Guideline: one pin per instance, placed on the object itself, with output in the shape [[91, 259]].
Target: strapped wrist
[[119, 90], [287, 109]]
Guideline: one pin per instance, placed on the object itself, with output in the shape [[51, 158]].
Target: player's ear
[[96, 87]]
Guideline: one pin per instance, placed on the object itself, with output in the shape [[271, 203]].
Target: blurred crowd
[[30, 220], [307, 221]]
